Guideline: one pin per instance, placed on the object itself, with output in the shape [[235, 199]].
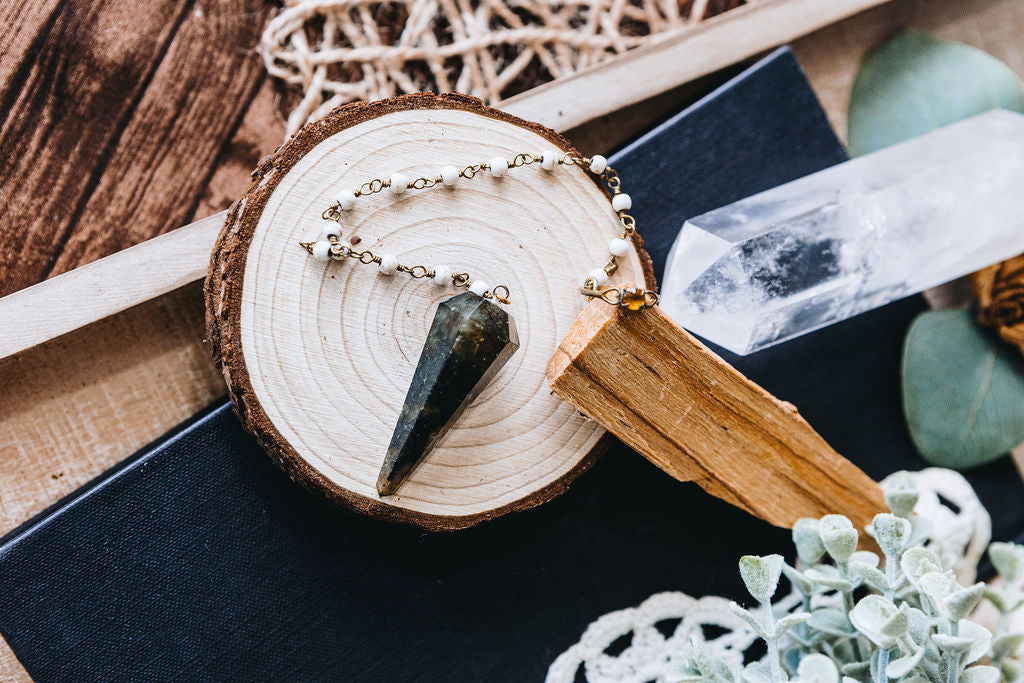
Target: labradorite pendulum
[[470, 339]]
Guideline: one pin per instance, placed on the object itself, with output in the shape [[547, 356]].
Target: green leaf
[[915, 83], [963, 391], [761, 575], [746, 616]]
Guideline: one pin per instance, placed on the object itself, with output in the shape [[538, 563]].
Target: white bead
[[322, 250], [499, 167], [398, 183], [331, 230], [548, 159], [388, 264], [449, 176], [598, 275], [346, 200], [479, 287], [598, 163], [618, 246], [442, 275], [622, 202]]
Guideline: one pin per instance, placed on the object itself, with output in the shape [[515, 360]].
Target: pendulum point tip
[[385, 485]]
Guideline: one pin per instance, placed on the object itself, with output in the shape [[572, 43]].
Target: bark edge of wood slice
[[318, 357]]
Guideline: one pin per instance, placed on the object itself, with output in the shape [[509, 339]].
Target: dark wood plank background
[[123, 120]]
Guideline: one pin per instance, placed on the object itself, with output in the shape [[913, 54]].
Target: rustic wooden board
[[80, 403], [118, 112], [318, 358], [830, 57]]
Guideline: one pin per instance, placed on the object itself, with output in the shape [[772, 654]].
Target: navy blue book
[[198, 559]]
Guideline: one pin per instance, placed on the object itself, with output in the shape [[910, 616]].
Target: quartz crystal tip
[[470, 339], [852, 237]]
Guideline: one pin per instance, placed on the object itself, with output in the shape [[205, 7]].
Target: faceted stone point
[[852, 237], [469, 341]]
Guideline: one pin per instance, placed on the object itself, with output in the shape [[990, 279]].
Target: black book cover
[[198, 559]]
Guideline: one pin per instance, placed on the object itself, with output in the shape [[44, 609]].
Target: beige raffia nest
[[1000, 292], [339, 51]]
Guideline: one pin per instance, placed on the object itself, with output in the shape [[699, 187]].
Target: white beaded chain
[[332, 246]]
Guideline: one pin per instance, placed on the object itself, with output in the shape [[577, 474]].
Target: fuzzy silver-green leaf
[[761, 575]]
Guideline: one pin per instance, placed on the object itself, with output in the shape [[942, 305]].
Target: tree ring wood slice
[[318, 356]]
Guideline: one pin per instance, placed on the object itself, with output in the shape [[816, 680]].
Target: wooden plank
[[65, 421], [98, 290], [66, 117], [11, 670], [677, 57], [159, 169], [25, 26], [714, 427]]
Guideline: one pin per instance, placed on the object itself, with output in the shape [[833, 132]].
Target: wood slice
[[318, 357]]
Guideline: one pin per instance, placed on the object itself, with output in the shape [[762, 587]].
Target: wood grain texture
[[11, 670], [693, 415], [80, 403], [119, 117], [318, 357], [100, 289]]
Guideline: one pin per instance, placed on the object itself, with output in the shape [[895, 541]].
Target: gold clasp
[[630, 298]]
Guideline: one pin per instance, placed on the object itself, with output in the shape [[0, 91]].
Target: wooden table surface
[[123, 120]]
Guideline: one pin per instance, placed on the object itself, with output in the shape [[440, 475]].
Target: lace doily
[[961, 532], [340, 51]]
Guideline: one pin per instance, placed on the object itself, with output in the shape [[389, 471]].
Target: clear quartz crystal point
[[852, 237]]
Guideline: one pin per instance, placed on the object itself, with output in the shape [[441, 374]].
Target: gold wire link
[[418, 272], [503, 297], [523, 159], [424, 183], [332, 213], [372, 187], [628, 224], [471, 171], [342, 250], [611, 178], [612, 265]]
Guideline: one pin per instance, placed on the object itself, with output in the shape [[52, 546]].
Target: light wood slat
[[100, 289], [677, 57]]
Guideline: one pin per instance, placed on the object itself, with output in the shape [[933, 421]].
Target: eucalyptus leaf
[[963, 391], [915, 83]]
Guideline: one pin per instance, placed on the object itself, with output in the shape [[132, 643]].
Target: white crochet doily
[[959, 536]]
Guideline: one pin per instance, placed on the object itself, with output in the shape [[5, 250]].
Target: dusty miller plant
[[862, 617]]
